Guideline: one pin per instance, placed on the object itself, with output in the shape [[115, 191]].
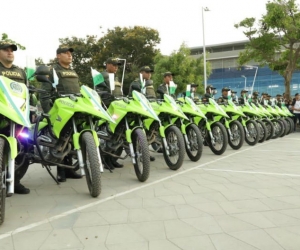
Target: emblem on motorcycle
[[16, 87]]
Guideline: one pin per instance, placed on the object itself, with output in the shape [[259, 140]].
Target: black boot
[[20, 189], [70, 173], [116, 164], [61, 174]]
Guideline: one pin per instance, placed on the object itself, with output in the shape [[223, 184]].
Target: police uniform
[[262, 101], [68, 83], [207, 95], [137, 85], [14, 73], [223, 99], [279, 102], [255, 98], [241, 98]]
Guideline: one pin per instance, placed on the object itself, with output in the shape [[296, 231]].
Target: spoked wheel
[[219, 145], [253, 137], [238, 135], [142, 156], [91, 164], [278, 128], [196, 144], [270, 129], [3, 169], [262, 131], [176, 146], [292, 125], [285, 127]]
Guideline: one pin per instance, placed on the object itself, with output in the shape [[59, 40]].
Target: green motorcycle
[[66, 134], [14, 106], [213, 131], [127, 131], [234, 127], [192, 138], [164, 135]]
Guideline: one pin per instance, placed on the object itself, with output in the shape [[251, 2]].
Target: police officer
[[210, 92], [13, 72], [68, 83], [278, 101], [268, 100], [165, 86], [255, 97], [243, 97], [146, 76], [263, 98], [224, 97], [112, 64], [234, 97]]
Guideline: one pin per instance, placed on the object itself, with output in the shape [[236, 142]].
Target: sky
[[38, 24]]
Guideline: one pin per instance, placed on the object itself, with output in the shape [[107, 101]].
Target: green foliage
[[6, 39], [186, 69], [274, 40], [135, 44]]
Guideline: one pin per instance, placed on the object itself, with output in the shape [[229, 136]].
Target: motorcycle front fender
[[76, 138], [12, 142]]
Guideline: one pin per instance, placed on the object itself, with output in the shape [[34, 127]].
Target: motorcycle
[[164, 135], [127, 131], [14, 106], [66, 134], [213, 131]]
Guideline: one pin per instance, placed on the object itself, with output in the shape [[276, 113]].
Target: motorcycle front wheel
[[270, 129], [238, 134], [142, 156], [253, 137], [262, 131], [196, 144], [3, 169], [220, 138], [91, 164], [176, 146]]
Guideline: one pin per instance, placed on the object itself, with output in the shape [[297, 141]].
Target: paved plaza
[[242, 200]]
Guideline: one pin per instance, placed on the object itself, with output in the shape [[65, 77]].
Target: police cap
[[244, 91], [255, 93], [225, 89], [168, 74], [64, 50], [278, 95], [210, 87], [6, 44], [113, 61], [264, 93], [194, 85], [146, 69]]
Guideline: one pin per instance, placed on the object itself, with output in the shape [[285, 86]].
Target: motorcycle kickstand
[[49, 172]]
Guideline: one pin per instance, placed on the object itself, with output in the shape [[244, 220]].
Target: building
[[225, 73]]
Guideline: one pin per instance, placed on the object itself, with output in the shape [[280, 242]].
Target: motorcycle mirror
[[43, 78], [136, 87], [42, 70], [149, 83]]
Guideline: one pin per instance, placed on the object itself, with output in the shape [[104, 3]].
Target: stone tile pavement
[[246, 199]]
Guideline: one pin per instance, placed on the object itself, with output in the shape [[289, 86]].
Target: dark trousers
[[296, 118]]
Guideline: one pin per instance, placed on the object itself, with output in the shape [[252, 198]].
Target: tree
[[186, 69], [135, 44], [6, 39], [275, 39]]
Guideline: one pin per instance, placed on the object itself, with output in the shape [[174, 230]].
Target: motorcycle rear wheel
[[142, 155], [3, 168], [196, 144], [91, 164], [176, 145]]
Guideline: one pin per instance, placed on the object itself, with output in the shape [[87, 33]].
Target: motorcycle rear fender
[[12, 142], [76, 138]]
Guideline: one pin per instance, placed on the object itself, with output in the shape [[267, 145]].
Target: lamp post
[[245, 80], [204, 52], [251, 67]]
